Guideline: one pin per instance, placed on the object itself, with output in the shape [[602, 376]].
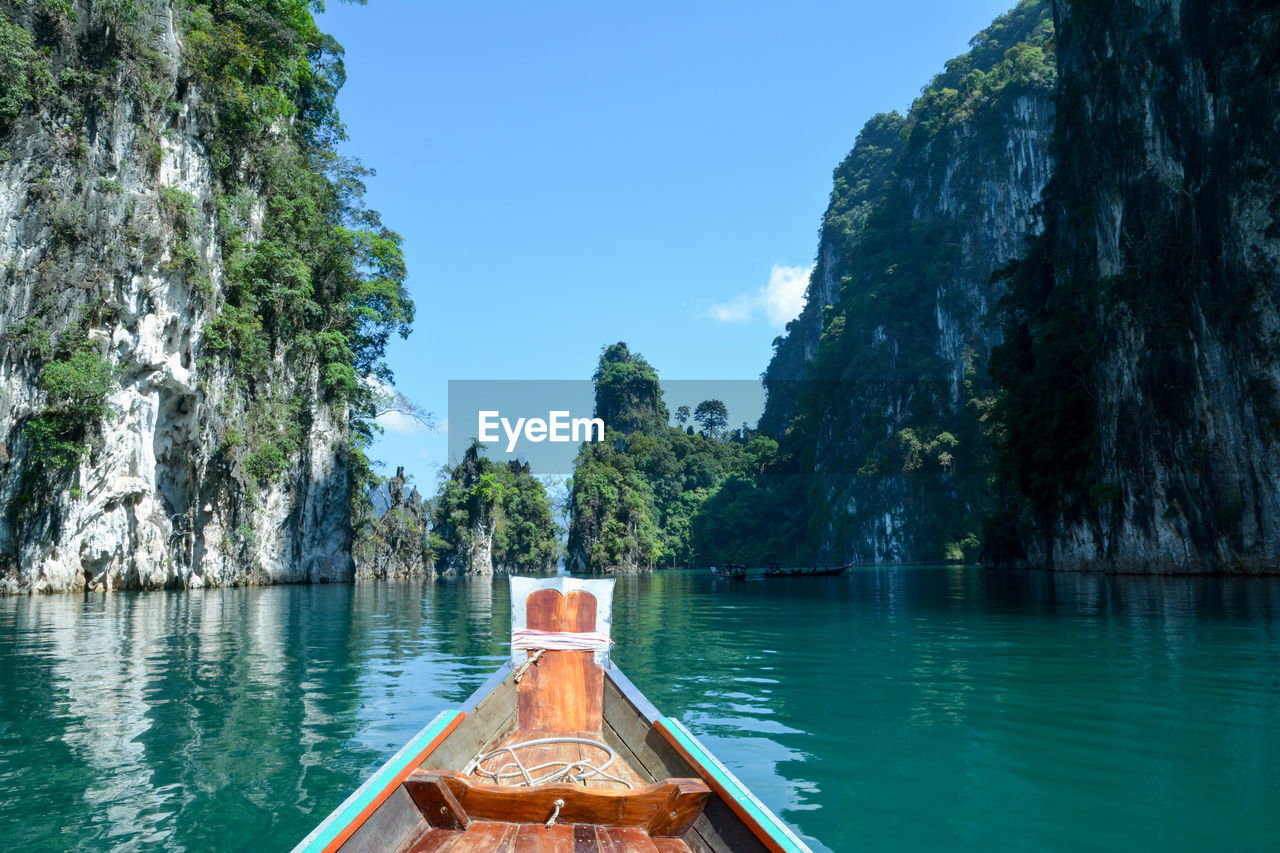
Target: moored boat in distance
[[777, 570], [557, 752], [730, 570]]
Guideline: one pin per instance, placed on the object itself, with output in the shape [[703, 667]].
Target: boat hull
[[383, 814]]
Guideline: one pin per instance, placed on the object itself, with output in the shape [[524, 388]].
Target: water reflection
[[890, 708]]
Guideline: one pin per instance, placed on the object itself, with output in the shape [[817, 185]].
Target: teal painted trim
[[365, 794], [768, 821]]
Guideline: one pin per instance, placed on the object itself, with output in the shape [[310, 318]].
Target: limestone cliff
[[490, 517], [1142, 369], [392, 541], [879, 387], [176, 378]]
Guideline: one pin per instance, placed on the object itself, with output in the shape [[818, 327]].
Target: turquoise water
[[906, 709]]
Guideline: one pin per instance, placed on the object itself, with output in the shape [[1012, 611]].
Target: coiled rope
[[564, 771]]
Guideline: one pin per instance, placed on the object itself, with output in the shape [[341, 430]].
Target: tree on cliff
[[628, 396], [634, 498], [489, 517], [712, 415]]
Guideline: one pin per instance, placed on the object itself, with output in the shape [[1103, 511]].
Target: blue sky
[[567, 175]]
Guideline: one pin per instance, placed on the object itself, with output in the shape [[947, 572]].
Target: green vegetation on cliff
[[490, 517], [323, 285], [652, 494], [77, 388], [879, 398], [1139, 403], [178, 160]]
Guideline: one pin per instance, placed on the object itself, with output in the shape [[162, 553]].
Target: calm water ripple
[[911, 709]]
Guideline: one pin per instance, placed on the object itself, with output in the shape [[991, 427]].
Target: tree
[[712, 415], [78, 388], [628, 396], [490, 517], [682, 415]]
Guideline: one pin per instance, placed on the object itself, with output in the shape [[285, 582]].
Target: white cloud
[[737, 311], [399, 423], [780, 300]]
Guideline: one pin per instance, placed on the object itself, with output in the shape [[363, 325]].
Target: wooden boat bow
[[633, 781]]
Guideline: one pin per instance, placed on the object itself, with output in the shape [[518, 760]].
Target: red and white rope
[[559, 641]]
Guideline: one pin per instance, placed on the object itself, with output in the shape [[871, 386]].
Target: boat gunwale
[[394, 771], [488, 686], [756, 815]]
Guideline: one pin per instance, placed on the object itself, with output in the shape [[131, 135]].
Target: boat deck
[[494, 837], [517, 833]]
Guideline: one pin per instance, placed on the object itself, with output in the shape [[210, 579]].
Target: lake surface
[[906, 709]]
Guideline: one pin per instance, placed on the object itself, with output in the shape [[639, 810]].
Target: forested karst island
[[1039, 331], [196, 301], [1039, 328]]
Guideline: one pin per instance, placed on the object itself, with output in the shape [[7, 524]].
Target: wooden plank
[[632, 695], [486, 837], [562, 692], [484, 690], [603, 841], [671, 845], [533, 756], [396, 820], [695, 842], [630, 839], [341, 824], [628, 714], [753, 814], [655, 757], [536, 838], [491, 718], [433, 841], [636, 807], [625, 753], [584, 839], [719, 829], [621, 767]]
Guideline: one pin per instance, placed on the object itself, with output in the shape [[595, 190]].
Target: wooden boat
[[731, 570], [776, 570], [609, 773]]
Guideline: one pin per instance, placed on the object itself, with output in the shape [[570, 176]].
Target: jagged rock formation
[[142, 446], [491, 518], [1142, 367], [879, 386], [394, 544], [465, 530], [614, 525]]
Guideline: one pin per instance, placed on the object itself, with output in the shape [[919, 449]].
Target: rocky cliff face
[[880, 385], [1150, 304], [120, 211], [393, 544], [490, 517]]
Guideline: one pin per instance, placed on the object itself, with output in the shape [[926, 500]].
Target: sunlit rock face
[[1163, 222], [881, 378], [89, 252], [395, 544]]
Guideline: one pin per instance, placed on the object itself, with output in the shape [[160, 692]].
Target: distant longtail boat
[[777, 570], [731, 570]]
